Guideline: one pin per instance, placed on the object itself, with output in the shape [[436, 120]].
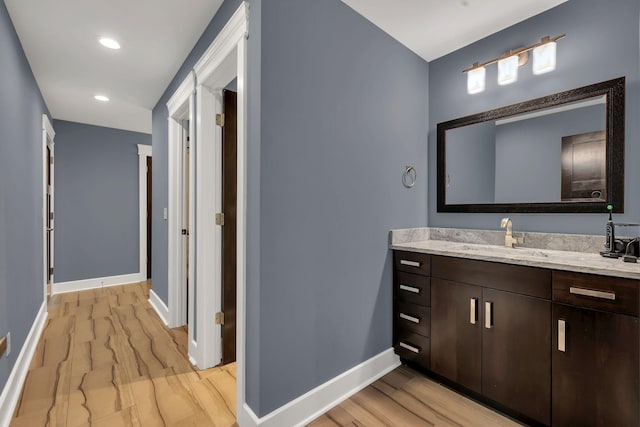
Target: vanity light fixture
[[101, 98], [109, 43], [544, 60]]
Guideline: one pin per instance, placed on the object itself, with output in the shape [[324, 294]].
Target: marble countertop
[[546, 258]]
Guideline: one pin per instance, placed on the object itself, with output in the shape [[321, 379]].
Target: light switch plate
[[164, 213]]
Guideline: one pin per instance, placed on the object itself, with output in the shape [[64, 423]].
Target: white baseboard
[[316, 402], [159, 306], [100, 282], [13, 387]]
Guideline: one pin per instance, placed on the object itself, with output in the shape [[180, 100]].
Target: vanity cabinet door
[[595, 368], [456, 332], [516, 353]]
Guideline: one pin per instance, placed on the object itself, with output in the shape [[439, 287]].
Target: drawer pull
[[410, 263], [409, 318], [562, 336], [488, 315], [473, 311], [410, 348], [409, 289], [593, 293]]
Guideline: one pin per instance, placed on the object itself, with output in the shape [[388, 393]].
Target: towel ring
[[409, 177]]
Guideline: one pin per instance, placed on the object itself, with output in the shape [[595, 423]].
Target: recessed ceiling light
[[101, 98], [110, 43]]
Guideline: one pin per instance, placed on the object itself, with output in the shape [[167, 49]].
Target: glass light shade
[[508, 70], [475, 80], [544, 58]]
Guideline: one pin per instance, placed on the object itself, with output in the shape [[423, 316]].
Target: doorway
[[149, 213], [48, 216], [229, 229]]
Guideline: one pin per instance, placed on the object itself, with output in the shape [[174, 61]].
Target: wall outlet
[[165, 214]]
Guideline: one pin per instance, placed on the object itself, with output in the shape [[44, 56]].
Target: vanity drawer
[[413, 288], [414, 318], [413, 348], [520, 279], [604, 293], [412, 262]]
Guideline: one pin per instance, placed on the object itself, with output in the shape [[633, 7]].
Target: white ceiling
[[434, 28], [60, 40]]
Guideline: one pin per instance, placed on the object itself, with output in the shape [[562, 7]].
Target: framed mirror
[[559, 153]]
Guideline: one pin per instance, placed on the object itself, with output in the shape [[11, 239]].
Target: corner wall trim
[[159, 306], [316, 402], [100, 282], [13, 387]]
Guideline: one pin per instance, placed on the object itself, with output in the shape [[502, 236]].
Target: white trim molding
[[159, 306], [181, 108], [13, 387], [224, 60], [95, 283], [144, 152], [309, 406]]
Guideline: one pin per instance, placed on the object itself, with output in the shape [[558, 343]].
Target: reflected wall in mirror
[[560, 153]]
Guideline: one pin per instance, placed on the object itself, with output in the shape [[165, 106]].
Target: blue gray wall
[[96, 201], [344, 110], [21, 271], [602, 43]]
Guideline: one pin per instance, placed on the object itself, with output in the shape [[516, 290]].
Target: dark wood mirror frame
[[614, 90]]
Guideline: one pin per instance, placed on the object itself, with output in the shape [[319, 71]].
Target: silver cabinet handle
[[473, 311], [409, 289], [562, 335], [409, 318], [410, 263], [488, 315], [410, 347], [593, 293]]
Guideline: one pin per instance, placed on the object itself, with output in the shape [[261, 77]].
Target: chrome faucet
[[509, 240]]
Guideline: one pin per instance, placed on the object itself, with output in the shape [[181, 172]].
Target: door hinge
[[219, 318], [219, 219], [184, 232], [51, 216], [51, 160], [220, 120], [51, 271]]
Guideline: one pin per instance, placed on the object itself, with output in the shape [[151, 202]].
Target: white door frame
[[181, 108], [144, 152], [48, 136], [224, 60]]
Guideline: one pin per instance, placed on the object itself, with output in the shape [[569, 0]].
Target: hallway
[[106, 359]]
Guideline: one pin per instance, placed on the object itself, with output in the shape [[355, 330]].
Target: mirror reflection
[[556, 154]]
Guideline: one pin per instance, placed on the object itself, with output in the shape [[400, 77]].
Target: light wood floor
[[405, 398], [106, 359]]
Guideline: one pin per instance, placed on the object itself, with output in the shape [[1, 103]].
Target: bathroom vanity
[[550, 337]]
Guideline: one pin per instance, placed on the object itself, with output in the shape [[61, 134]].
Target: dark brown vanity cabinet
[[490, 337], [412, 312], [596, 341], [547, 346]]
